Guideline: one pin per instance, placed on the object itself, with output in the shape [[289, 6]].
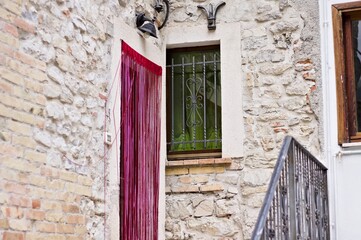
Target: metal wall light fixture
[[146, 25], [211, 12]]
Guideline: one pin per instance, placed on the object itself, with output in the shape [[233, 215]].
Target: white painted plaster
[[344, 163], [228, 35], [148, 47]]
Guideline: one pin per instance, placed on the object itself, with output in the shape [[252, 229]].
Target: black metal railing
[[296, 203]]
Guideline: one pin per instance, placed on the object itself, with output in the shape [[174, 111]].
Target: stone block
[[19, 224], [204, 208], [225, 208], [185, 179], [19, 127], [179, 209], [200, 179], [176, 171], [284, 26], [185, 189], [256, 177], [212, 187], [275, 69], [4, 223], [206, 170]]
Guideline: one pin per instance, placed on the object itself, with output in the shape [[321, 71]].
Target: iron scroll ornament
[[211, 12]]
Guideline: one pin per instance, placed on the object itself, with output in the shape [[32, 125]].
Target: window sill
[[351, 145], [199, 162]]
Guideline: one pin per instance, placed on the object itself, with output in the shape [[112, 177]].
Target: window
[[347, 42], [194, 103]]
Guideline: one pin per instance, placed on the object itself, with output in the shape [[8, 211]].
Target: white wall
[[344, 163]]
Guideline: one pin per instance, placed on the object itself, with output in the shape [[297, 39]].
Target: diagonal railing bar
[[296, 202]]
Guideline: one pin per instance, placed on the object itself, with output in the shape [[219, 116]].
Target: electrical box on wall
[[108, 138]]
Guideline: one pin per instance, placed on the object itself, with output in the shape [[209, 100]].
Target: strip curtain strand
[[140, 146]]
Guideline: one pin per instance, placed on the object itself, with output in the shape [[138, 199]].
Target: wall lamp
[[146, 25]]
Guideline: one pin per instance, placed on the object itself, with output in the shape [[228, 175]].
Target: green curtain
[[195, 82]]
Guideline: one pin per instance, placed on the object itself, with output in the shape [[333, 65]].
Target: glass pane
[[196, 96], [356, 33]]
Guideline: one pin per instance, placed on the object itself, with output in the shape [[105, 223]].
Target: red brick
[[12, 212], [9, 150], [69, 208], [2, 59], [65, 228], [35, 214], [14, 187], [24, 25], [6, 50], [13, 236], [49, 172], [11, 29], [5, 86], [19, 201], [46, 227], [75, 219], [36, 203], [9, 39], [30, 60]]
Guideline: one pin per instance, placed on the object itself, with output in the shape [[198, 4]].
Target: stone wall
[[55, 63], [281, 96], [55, 68]]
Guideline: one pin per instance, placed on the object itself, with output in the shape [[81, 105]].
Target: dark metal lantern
[[146, 25]]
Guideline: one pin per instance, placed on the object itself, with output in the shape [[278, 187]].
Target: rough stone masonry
[[55, 59], [215, 199]]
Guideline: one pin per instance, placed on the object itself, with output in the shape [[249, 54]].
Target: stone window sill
[[199, 162]]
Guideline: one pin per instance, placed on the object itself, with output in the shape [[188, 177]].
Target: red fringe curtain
[[140, 146]]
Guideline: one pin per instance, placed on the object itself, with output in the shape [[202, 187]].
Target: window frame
[[342, 16], [190, 154], [228, 36]]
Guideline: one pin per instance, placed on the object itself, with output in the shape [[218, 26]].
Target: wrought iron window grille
[[193, 101]]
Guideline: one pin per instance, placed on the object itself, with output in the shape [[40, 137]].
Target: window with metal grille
[[194, 103]]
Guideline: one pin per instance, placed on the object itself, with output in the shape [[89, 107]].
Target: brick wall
[[54, 62]]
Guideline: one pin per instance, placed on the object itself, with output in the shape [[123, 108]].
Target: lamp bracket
[[211, 11], [159, 7]]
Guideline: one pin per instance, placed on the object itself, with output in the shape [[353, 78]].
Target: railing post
[[292, 191], [296, 201]]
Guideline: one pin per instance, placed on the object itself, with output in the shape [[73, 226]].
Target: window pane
[[194, 92], [356, 36]]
